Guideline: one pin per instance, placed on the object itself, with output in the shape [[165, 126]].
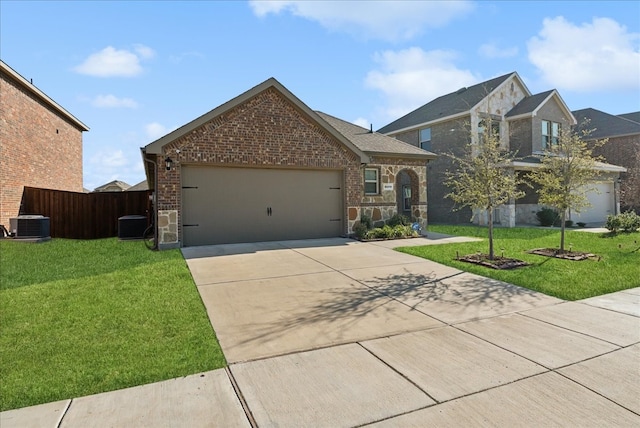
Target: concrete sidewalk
[[337, 332]]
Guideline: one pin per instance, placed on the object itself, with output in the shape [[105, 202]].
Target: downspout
[[154, 198]]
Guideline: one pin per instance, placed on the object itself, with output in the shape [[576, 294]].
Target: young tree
[[483, 179], [566, 174]]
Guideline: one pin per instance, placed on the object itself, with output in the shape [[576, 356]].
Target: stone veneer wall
[[384, 206], [168, 229]]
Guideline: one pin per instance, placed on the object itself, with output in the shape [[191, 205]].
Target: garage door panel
[[602, 204], [247, 205]]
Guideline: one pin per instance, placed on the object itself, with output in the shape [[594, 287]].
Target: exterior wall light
[[168, 163]]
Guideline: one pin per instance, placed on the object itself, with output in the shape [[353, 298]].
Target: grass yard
[[83, 317], [618, 268]]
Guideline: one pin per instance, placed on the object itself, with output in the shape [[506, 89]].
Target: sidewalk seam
[[64, 413], [243, 402]]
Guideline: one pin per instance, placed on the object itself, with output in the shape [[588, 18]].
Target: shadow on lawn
[[338, 313]]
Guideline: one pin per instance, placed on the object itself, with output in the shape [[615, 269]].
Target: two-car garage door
[[602, 204], [230, 205]]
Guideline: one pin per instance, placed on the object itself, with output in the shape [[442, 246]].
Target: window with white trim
[[425, 138], [371, 181], [550, 133]]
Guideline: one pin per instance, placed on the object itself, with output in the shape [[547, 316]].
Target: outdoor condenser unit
[[30, 226], [131, 226]]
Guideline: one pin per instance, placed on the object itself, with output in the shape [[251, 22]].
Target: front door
[[406, 200]]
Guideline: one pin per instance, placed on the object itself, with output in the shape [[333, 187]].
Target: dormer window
[[550, 134]]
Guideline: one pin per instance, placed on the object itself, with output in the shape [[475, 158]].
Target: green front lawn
[[617, 269], [83, 317]]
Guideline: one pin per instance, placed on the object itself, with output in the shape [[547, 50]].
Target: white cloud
[[145, 52], [155, 130], [387, 20], [361, 121], [109, 159], [491, 50], [111, 62], [176, 59], [597, 56], [413, 77], [111, 101]]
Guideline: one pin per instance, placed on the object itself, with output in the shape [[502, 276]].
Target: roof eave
[[429, 123], [42, 96], [156, 147], [426, 156]]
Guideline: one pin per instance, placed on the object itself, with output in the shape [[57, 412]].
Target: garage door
[[602, 204], [230, 205]]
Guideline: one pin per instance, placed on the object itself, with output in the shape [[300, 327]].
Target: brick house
[[525, 122], [264, 166], [113, 186], [40, 143], [622, 147]]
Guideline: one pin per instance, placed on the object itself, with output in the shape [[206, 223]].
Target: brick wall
[[625, 151], [446, 137], [265, 131], [38, 147]]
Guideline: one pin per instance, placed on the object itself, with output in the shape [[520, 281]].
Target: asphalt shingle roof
[[373, 142], [528, 104], [447, 105], [606, 125], [635, 116]]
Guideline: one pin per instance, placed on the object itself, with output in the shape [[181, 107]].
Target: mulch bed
[[567, 255], [496, 263]]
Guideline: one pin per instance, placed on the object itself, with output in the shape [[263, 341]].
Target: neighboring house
[[526, 123], [143, 185], [113, 186], [622, 147], [264, 166], [40, 143]]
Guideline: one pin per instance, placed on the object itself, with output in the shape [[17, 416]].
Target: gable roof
[[449, 105], [115, 184], [529, 106], [143, 185], [30, 87], [156, 146], [634, 116], [374, 143], [605, 125]]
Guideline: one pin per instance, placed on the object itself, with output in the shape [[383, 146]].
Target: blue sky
[[133, 71]]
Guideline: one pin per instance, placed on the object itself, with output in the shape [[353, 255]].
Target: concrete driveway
[[339, 333], [342, 333]]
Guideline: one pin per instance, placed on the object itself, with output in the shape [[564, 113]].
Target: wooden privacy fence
[[84, 215]]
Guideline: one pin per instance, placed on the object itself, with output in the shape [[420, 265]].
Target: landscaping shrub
[[547, 217], [613, 223], [568, 223], [360, 230], [581, 224], [388, 232], [628, 221], [366, 220], [399, 220]]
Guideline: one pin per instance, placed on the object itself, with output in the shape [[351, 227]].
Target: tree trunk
[[562, 221], [490, 220]]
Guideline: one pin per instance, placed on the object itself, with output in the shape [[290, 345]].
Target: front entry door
[[406, 200]]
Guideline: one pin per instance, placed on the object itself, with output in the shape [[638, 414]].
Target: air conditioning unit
[[131, 226], [30, 226]]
